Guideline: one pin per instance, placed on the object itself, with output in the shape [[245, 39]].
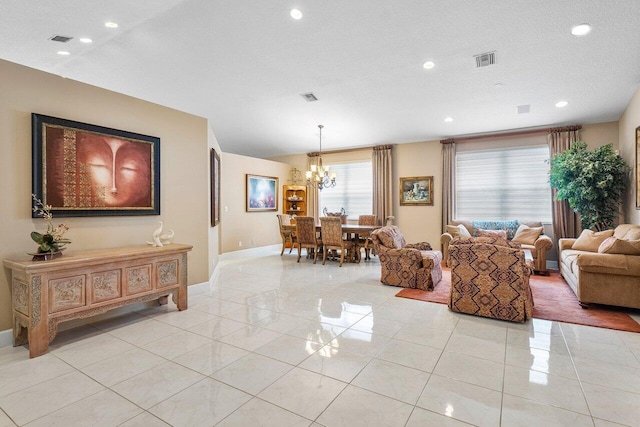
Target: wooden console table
[[84, 284]]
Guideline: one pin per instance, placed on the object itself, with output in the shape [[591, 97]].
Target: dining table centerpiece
[[51, 243]]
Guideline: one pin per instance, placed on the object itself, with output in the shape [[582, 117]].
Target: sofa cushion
[[511, 226], [632, 234], [590, 241], [458, 231], [491, 233], [613, 245], [527, 235], [627, 232]]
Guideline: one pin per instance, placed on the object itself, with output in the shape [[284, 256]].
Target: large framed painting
[[81, 169], [262, 193], [215, 188], [416, 190], [638, 167]]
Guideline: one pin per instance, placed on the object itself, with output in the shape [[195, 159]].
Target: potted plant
[[593, 182], [51, 242]]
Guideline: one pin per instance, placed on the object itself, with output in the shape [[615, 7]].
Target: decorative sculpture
[[160, 239]]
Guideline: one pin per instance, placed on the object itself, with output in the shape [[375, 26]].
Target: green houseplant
[[593, 182], [52, 240]]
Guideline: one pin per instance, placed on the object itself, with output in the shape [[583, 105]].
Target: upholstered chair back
[[331, 231], [306, 230], [283, 219], [367, 220]]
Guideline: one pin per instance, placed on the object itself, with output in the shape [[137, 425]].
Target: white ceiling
[[243, 64]]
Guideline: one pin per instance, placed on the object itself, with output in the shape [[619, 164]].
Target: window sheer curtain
[[566, 223], [382, 175], [448, 180]]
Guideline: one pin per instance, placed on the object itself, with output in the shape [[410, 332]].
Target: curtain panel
[[566, 223], [382, 189], [448, 181], [312, 192]]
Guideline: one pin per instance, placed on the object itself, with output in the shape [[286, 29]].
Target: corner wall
[[251, 228], [628, 123], [184, 169]]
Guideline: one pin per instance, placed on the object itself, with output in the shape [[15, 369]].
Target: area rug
[[553, 300]]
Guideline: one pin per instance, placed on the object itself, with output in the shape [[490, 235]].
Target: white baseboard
[[251, 253], [6, 338]]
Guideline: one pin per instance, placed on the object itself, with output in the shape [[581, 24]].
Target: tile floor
[[277, 343]]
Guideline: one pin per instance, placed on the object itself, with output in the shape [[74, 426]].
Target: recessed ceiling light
[[110, 24], [581, 30], [448, 119], [63, 53], [562, 104], [296, 14], [429, 65], [86, 40]]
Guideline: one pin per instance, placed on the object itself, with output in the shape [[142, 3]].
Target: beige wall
[[628, 123], [251, 228], [214, 232], [184, 168], [599, 134], [418, 223]]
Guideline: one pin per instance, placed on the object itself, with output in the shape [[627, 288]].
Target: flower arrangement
[[53, 239]]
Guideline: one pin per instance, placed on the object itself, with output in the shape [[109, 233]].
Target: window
[[503, 184], [353, 190]]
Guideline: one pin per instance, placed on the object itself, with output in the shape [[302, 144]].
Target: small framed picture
[[262, 193], [215, 188], [416, 190]]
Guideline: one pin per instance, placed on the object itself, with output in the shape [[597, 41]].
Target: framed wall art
[[417, 190], [262, 193], [81, 169], [638, 167], [215, 188]]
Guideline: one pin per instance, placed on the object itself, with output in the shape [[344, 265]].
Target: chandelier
[[319, 175]]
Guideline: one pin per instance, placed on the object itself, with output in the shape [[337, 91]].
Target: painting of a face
[[90, 170]]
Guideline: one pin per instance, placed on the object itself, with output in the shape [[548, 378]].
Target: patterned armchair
[[489, 277], [306, 237], [406, 265]]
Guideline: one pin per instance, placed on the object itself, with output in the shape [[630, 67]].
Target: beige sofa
[[602, 278], [538, 249]]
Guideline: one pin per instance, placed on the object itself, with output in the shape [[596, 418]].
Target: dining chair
[[306, 236], [331, 231], [366, 241], [287, 235]]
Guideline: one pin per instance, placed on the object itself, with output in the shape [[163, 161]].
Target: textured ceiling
[[243, 64]]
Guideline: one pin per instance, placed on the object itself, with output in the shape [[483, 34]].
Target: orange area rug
[[553, 300]]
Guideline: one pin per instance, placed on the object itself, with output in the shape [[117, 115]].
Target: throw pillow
[[458, 231], [612, 245], [632, 234], [527, 235], [492, 233], [590, 241]]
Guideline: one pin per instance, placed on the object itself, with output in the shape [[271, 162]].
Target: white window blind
[[503, 184], [353, 190]]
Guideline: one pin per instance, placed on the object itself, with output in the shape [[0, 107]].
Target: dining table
[[352, 231]]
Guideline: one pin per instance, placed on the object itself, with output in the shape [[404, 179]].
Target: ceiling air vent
[[524, 109], [61, 39], [485, 59], [309, 97]]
